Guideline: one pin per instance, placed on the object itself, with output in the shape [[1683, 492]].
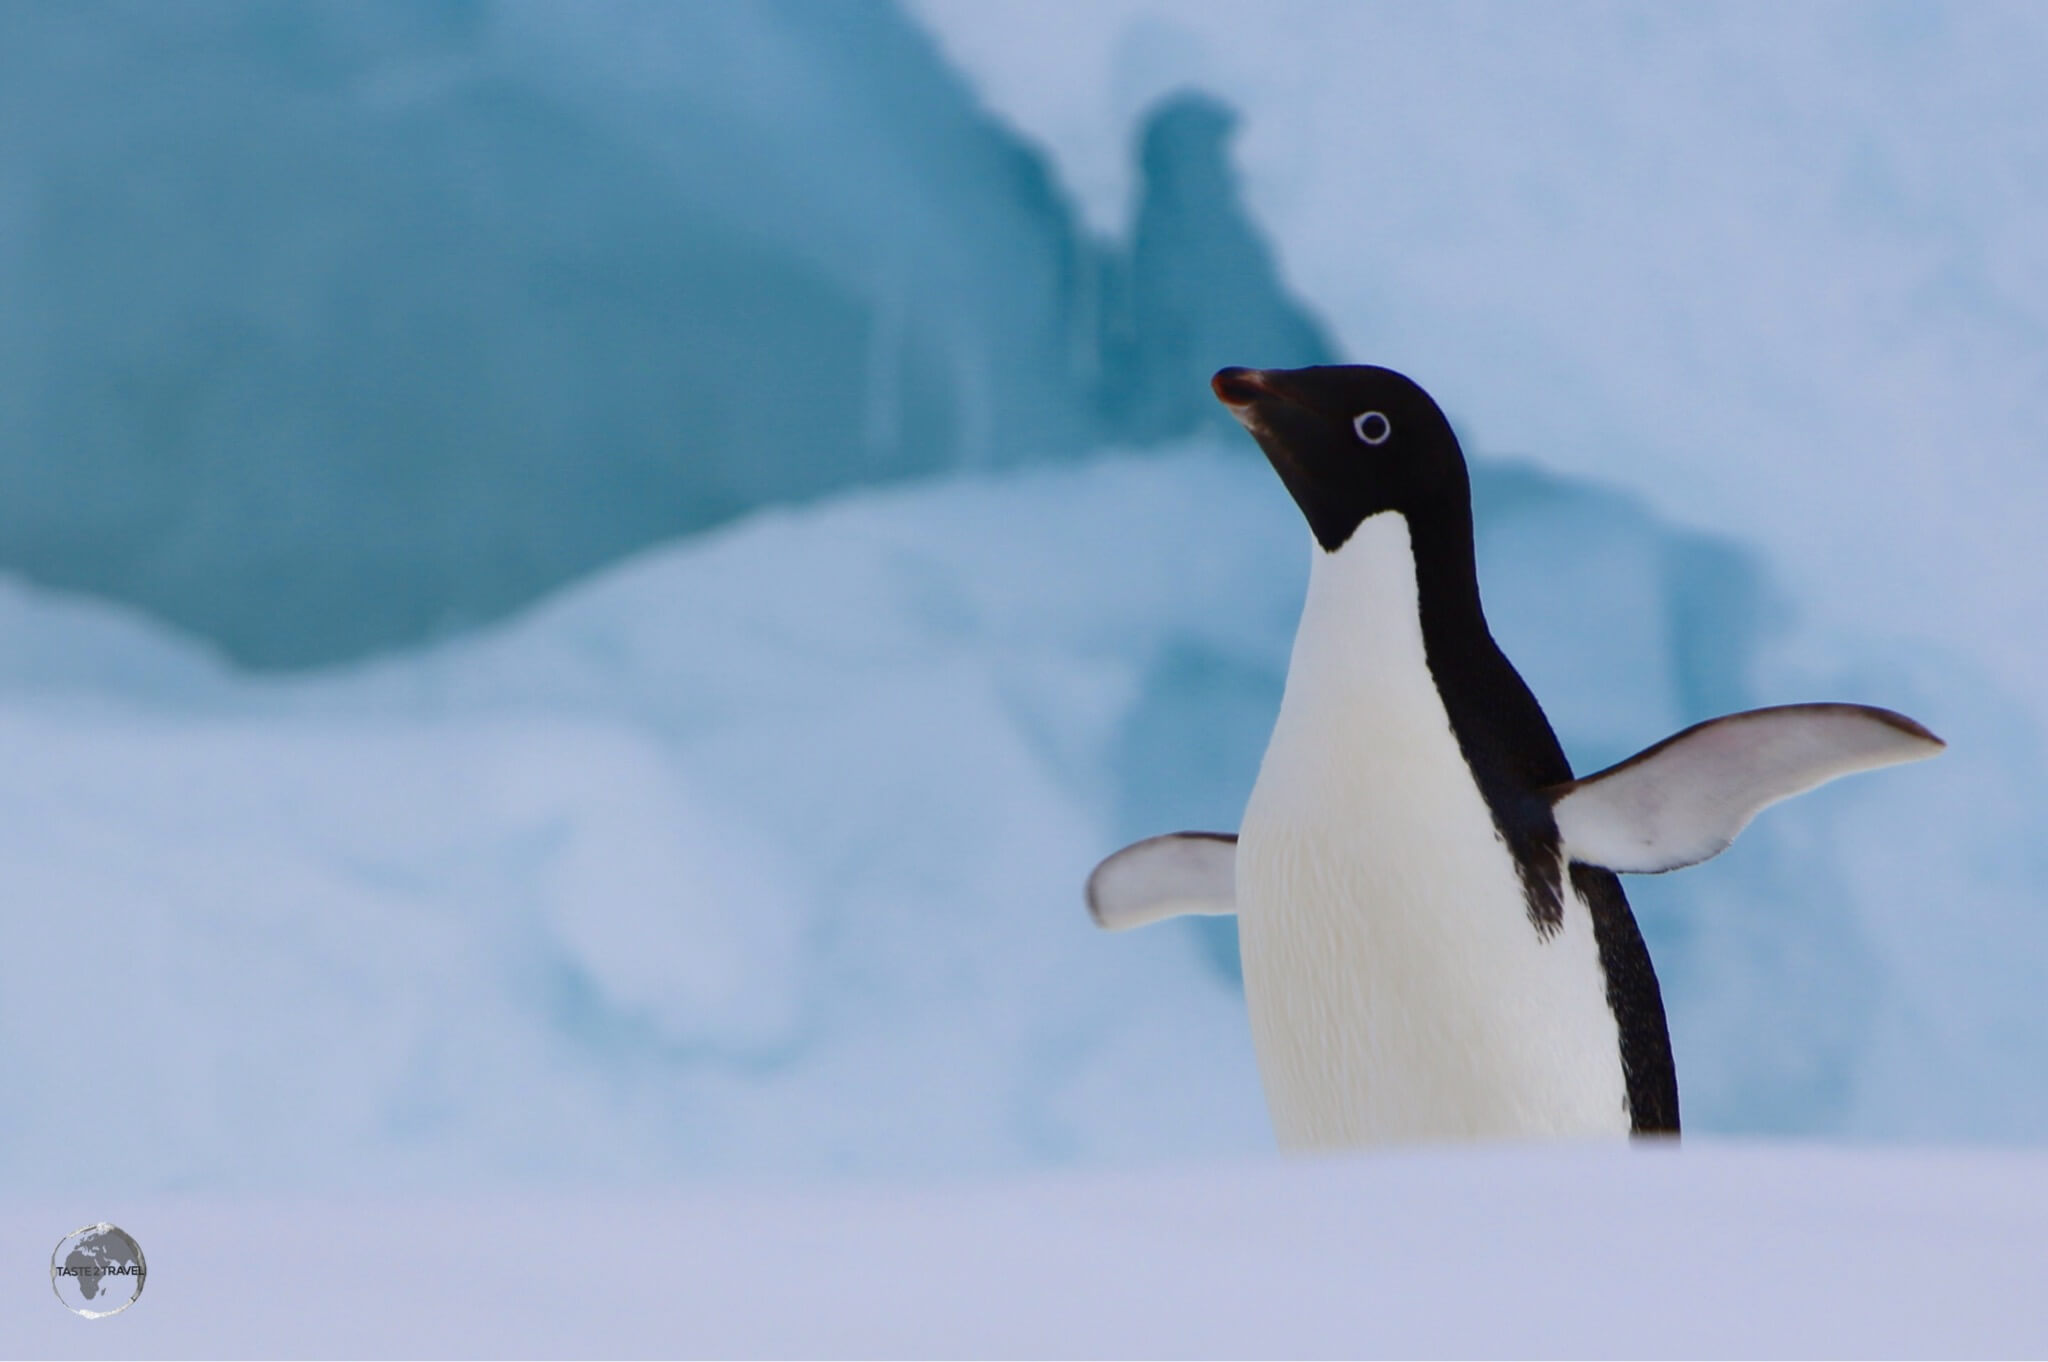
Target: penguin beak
[[1263, 403], [1256, 396], [1240, 390]]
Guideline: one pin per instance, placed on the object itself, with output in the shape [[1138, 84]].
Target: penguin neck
[[1393, 640], [1396, 591]]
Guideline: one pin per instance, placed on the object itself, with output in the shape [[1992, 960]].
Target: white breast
[[1398, 991]]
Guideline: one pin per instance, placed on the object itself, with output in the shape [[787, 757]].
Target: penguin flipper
[[1163, 877], [1684, 800]]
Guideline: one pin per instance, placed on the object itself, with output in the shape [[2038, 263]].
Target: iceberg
[[331, 331], [568, 616]]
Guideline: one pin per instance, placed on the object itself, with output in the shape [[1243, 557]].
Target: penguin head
[[1351, 441]]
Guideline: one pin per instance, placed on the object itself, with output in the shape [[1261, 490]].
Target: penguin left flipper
[[1163, 877], [1684, 800]]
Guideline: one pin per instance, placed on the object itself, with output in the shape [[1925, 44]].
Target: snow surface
[[1592, 1252]]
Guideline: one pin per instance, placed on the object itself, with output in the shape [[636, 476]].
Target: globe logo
[[97, 1271]]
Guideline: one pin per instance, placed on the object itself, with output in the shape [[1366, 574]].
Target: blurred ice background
[[580, 586]]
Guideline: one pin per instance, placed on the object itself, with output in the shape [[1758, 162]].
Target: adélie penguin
[[1435, 944]]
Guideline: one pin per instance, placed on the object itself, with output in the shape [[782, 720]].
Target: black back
[[1351, 442]]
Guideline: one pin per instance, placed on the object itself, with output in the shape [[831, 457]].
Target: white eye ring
[[1363, 422]]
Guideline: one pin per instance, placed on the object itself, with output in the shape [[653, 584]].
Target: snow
[[1711, 1250]]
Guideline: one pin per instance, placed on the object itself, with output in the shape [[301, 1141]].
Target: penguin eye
[[1372, 427]]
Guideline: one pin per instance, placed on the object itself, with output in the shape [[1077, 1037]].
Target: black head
[[1351, 441]]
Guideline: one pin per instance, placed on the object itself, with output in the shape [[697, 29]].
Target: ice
[[1777, 272], [677, 917], [1771, 273], [762, 853], [327, 331], [758, 851]]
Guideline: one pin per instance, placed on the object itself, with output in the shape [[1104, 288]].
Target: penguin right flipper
[[1163, 877], [1685, 799]]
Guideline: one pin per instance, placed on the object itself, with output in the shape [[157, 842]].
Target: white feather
[[1397, 988], [1684, 800], [1163, 877]]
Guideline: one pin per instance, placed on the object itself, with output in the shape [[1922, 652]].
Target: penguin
[[1436, 945]]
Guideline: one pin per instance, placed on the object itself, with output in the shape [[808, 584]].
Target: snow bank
[[762, 854]]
